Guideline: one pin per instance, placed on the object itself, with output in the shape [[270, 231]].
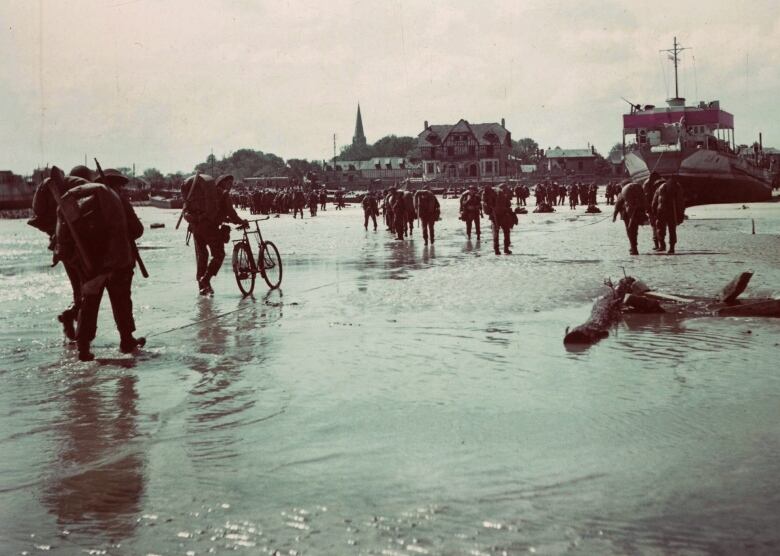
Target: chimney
[[593, 149], [503, 124], [426, 124]]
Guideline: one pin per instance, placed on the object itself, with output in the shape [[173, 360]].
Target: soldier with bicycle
[[207, 206]]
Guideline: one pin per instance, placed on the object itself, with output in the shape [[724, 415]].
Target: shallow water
[[398, 399]]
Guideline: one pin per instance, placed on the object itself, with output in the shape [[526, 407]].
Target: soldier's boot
[[671, 248], [128, 344], [634, 250], [656, 244], [84, 351], [205, 284], [662, 245], [507, 251]]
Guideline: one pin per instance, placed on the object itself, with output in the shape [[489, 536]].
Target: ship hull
[[706, 177]]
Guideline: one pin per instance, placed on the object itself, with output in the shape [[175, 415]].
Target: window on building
[[472, 150], [429, 168], [450, 151]]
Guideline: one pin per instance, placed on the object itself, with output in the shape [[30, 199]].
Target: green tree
[[526, 149], [154, 177], [387, 146]]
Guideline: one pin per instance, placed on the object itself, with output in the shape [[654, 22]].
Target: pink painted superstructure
[[694, 145]]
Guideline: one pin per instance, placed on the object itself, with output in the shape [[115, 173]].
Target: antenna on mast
[[674, 56]]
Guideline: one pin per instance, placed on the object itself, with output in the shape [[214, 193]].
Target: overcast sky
[[162, 83]]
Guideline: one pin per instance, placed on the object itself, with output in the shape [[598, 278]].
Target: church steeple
[[359, 138]]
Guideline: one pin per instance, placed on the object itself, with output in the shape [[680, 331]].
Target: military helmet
[[224, 178], [81, 171], [111, 176]]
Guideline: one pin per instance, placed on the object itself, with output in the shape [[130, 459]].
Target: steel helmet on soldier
[[82, 172]]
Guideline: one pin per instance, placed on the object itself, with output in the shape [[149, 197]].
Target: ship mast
[[674, 57]]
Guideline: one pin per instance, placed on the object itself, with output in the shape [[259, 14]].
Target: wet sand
[[398, 399]]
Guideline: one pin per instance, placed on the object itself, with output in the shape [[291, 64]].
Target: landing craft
[[695, 145]]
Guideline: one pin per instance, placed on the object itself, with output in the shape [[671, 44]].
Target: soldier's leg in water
[[217, 248], [507, 239], [476, 225], [633, 234], [654, 228], [494, 226], [119, 292], [430, 223], [672, 234], [425, 232], [87, 323], [69, 315], [661, 233], [373, 217], [201, 256], [468, 227], [365, 220]]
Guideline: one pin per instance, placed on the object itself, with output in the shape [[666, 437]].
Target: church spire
[[359, 138]]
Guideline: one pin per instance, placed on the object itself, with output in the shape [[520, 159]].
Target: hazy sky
[[161, 83]]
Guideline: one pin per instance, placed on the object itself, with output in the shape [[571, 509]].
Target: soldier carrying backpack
[[96, 232]]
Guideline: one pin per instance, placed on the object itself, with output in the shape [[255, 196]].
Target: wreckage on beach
[[633, 296]]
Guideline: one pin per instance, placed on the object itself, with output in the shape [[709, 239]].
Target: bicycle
[[268, 264]]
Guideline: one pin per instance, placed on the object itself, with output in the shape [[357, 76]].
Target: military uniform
[[428, 210], [45, 219], [205, 215], [502, 219], [632, 208], [108, 260], [370, 210], [669, 209], [470, 210]]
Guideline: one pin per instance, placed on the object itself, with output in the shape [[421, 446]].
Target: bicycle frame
[[245, 240]]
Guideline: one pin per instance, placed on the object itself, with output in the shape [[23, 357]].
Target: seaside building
[[464, 150], [570, 162]]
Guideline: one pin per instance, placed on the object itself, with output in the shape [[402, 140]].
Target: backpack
[[201, 203], [95, 213]]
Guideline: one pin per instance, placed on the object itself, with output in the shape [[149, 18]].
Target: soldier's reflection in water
[[100, 472], [402, 258], [222, 400]]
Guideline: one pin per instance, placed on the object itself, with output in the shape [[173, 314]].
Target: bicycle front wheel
[[242, 268], [270, 264]]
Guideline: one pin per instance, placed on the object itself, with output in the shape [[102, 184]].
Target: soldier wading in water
[[96, 232], [45, 219], [502, 218], [207, 205], [632, 208], [428, 209]]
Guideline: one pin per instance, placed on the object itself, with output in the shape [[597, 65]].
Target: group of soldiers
[[401, 208], [658, 202], [92, 230], [284, 201], [554, 194]]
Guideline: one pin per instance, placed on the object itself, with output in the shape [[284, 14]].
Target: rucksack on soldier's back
[[96, 214], [202, 202]]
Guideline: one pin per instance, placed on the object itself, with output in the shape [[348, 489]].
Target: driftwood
[[605, 314], [631, 295], [734, 288]]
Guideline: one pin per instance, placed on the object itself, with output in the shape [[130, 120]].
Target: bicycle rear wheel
[[242, 268], [270, 264]]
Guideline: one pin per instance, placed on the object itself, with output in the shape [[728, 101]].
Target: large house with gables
[[464, 150]]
